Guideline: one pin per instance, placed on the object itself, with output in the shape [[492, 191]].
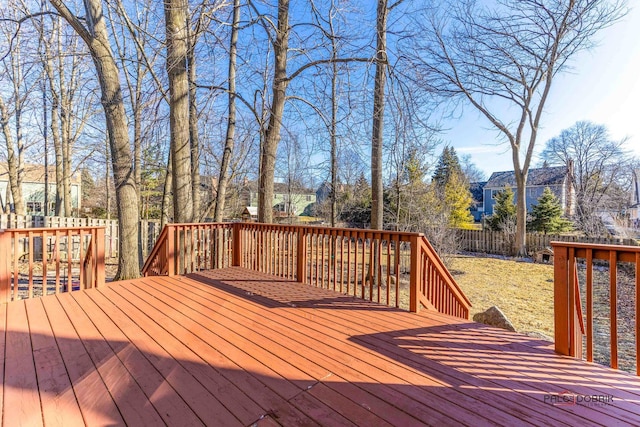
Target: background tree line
[[159, 104]]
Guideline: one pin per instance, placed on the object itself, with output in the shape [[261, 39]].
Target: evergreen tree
[[547, 214], [448, 165], [458, 199], [450, 187], [504, 212]]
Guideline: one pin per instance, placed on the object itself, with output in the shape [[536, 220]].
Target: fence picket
[[149, 230], [495, 242]]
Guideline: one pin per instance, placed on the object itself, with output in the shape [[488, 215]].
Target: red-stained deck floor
[[235, 347]]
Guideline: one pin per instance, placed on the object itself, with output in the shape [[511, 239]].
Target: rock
[[494, 317]]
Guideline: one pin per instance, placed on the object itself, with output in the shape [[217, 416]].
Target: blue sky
[[603, 87]]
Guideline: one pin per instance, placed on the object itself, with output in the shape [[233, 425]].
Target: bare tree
[[95, 35], [507, 54], [377, 189], [176, 12], [598, 166], [223, 178]]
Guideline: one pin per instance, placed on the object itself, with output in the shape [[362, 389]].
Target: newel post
[[99, 259], [414, 273], [5, 266], [561, 301], [301, 258], [236, 260]]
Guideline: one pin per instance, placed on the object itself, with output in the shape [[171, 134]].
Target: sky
[[603, 87]]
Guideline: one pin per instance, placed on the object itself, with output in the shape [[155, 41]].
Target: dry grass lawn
[[522, 290]]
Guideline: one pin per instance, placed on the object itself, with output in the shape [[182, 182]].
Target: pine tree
[[547, 214], [451, 187], [504, 212], [448, 165], [458, 198]]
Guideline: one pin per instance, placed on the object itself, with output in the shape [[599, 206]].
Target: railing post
[[237, 245], [301, 258], [171, 250], [561, 301], [414, 274], [5, 266], [99, 259]]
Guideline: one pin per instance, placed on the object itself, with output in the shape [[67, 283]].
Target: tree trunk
[[333, 131], [272, 137], [377, 202], [166, 194], [176, 39], [193, 124], [116, 119], [223, 178], [521, 214], [13, 163]]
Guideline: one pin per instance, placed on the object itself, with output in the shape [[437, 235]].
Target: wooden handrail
[[59, 250], [446, 297], [570, 322], [184, 248], [157, 248], [384, 266]]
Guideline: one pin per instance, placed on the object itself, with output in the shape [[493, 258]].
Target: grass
[[522, 290]]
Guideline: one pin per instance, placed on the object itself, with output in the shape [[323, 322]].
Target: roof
[[35, 173], [541, 176], [251, 210]]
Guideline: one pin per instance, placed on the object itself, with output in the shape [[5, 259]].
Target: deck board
[[54, 385], [236, 347]]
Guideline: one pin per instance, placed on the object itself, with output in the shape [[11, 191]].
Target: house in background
[[557, 178], [634, 208], [288, 200], [477, 193], [33, 190]]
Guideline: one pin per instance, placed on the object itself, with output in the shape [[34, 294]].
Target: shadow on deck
[[236, 347]]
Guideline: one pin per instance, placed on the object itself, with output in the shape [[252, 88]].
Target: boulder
[[494, 317]]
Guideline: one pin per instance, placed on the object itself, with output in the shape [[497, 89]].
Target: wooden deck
[[236, 347]]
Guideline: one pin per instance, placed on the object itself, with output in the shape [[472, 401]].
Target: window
[[308, 198], [34, 207]]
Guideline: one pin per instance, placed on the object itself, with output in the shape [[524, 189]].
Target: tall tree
[[223, 178], [97, 40], [276, 111], [377, 134], [507, 54], [448, 165], [598, 167], [176, 12]]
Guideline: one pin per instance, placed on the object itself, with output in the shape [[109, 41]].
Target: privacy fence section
[[42, 261], [392, 268], [572, 323], [500, 243], [148, 230]]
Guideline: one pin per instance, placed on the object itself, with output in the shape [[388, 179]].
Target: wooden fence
[[148, 230], [497, 242]]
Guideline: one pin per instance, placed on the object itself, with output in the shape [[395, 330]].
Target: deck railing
[[392, 268], [185, 248], [570, 325], [42, 261]]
